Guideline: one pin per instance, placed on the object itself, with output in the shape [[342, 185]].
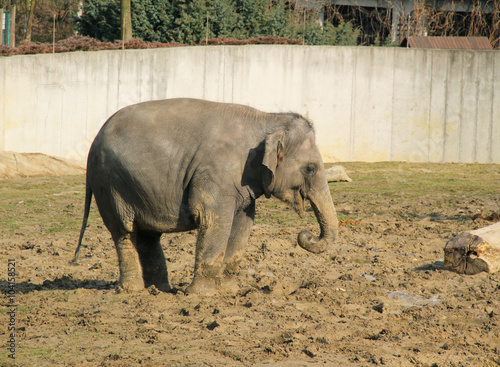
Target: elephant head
[[294, 172]]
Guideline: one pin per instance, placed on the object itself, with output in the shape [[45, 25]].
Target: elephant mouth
[[296, 199], [298, 203]]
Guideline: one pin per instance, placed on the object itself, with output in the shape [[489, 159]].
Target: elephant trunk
[[321, 202]]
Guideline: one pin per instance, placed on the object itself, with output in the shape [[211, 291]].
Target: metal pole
[[54, 35], [206, 36], [2, 26], [12, 26], [409, 25]]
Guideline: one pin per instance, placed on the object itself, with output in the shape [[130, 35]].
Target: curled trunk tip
[[311, 243]]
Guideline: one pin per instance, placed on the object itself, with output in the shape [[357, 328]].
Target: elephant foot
[[203, 286], [232, 268], [159, 280], [131, 284], [161, 286], [211, 286]]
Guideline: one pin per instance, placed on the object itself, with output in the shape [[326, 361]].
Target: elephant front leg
[[240, 232], [213, 235]]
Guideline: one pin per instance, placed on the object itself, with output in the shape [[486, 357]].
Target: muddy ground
[[379, 297]]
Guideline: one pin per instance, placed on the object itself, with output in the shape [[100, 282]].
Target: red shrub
[[81, 43]]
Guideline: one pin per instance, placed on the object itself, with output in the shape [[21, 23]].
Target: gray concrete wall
[[368, 104]]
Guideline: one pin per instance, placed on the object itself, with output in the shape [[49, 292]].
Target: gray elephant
[[183, 164]]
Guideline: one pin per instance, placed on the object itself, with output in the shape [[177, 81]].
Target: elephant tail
[[88, 201]]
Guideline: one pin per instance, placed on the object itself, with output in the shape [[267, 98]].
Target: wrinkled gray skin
[[183, 164]]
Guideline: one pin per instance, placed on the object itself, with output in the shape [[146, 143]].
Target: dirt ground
[[379, 297], [14, 164]]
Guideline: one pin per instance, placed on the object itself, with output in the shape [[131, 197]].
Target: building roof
[[470, 43]]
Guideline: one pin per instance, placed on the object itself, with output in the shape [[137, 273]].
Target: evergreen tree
[[151, 20], [197, 19], [191, 21], [250, 18], [101, 20], [222, 18], [276, 22]]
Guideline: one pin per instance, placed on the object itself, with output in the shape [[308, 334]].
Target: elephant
[[187, 164]]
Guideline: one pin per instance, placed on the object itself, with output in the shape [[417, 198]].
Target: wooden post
[[475, 251], [1, 26], [126, 20], [54, 35], [206, 37], [12, 28]]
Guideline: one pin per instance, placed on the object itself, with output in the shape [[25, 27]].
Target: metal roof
[[470, 43]]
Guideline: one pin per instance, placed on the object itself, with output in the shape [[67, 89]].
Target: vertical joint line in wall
[[391, 147], [204, 79], [476, 112], [140, 69], [352, 115], [429, 112], [445, 122], [231, 81], [222, 68], [233, 76], [61, 124], [107, 89], [490, 135], [461, 111], [87, 97], [152, 82], [118, 79]]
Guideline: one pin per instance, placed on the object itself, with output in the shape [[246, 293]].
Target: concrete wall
[[368, 104]]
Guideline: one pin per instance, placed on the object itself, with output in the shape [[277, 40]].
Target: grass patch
[[53, 205], [49, 204], [45, 352], [396, 179]]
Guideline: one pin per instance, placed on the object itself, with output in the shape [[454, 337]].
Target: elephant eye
[[310, 169]]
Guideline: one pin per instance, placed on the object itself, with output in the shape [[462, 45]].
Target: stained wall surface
[[367, 104]]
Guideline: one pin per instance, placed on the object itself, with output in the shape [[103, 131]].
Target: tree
[[251, 16], [276, 20], [151, 20], [100, 19], [54, 13], [30, 12], [222, 18], [35, 19], [189, 25], [191, 21], [126, 20]]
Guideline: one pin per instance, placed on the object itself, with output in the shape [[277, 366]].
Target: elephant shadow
[[60, 283]]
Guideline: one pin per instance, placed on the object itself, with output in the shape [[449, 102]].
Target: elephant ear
[[273, 157]]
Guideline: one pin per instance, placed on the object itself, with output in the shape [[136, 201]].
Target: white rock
[[336, 173]]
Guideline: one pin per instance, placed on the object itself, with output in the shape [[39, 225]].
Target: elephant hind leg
[[118, 217], [152, 258], [128, 260]]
